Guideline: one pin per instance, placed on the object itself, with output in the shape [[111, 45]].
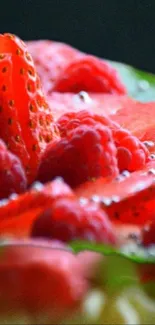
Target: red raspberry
[[12, 175], [89, 74], [85, 153], [132, 154], [50, 59], [148, 234], [69, 220]]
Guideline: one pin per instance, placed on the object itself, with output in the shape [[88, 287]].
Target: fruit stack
[[77, 173]]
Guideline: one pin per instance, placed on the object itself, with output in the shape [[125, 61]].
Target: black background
[[121, 30]]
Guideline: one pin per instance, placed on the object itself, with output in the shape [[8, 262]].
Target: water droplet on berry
[[126, 173], [149, 144], [143, 85], [37, 186], [151, 171], [83, 96]]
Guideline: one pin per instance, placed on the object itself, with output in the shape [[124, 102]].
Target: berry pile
[[73, 166]]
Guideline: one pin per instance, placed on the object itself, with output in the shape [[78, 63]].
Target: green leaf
[[133, 253], [140, 84]]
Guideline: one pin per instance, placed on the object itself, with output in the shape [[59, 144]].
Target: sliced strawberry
[[18, 214], [26, 123], [128, 200], [139, 119], [61, 103]]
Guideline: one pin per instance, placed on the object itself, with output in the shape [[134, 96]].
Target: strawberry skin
[[26, 123], [127, 200], [18, 214]]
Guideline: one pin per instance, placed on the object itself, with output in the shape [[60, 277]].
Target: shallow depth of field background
[[121, 30]]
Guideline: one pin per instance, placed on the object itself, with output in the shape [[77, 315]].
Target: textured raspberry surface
[[50, 59], [12, 175], [132, 154], [37, 277], [89, 74], [86, 152], [69, 220], [148, 234]]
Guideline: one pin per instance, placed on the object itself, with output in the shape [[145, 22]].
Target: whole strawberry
[[26, 123], [86, 152], [12, 175]]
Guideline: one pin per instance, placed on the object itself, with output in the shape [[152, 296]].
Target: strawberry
[[68, 219], [18, 213], [101, 104], [128, 200], [89, 74], [148, 234], [26, 123], [131, 153], [12, 175], [41, 279], [138, 118], [72, 159], [50, 59]]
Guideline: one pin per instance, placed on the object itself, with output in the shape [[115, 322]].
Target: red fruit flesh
[[26, 123], [39, 280], [102, 104], [18, 215], [89, 74], [128, 200], [68, 220], [139, 119], [12, 175], [148, 234]]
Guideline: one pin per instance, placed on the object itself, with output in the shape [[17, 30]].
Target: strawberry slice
[[61, 103], [128, 199], [26, 123], [139, 119], [18, 214]]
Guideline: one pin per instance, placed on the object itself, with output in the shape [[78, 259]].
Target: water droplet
[[143, 85], [149, 144], [37, 186], [84, 97]]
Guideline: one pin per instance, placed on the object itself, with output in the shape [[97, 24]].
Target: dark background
[[121, 30]]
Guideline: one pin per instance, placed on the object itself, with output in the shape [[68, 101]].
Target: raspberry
[[50, 59], [38, 279], [12, 175], [89, 74], [86, 152], [132, 154], [148, 234], [67, 220]]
